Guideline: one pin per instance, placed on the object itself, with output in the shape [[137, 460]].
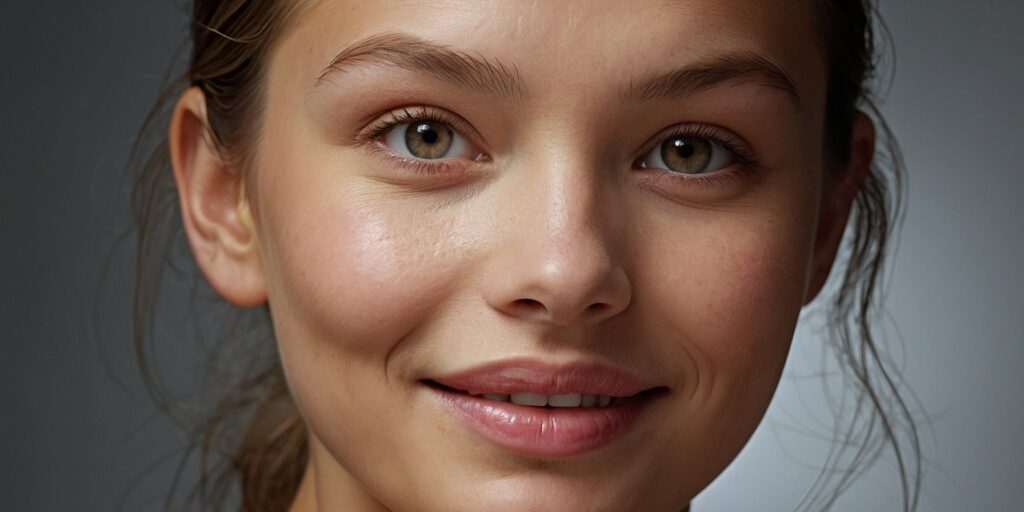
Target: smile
[[540, 410], [554, 401]]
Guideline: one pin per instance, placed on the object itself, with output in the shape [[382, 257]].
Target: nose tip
[[577, 283]]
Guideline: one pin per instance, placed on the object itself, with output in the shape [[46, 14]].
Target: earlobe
[[215, 210], [837, 202]]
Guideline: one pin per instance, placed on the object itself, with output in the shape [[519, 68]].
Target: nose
[[560, 262]]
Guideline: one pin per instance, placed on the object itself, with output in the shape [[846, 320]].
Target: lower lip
[[541, 431]]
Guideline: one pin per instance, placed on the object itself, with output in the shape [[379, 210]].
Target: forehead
[[581, 47]]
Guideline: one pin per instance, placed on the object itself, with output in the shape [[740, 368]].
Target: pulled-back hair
[[243, 425]]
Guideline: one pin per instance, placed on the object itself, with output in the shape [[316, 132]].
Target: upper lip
[[533, 376]]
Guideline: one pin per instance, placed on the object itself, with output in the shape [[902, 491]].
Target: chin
[[546, 493]]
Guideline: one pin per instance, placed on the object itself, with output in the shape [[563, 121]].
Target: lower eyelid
[[733, 174], [442, 167]]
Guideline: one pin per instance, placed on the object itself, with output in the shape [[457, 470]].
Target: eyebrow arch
[[415, 54], [707, 74]]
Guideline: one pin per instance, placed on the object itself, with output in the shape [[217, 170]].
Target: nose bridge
[[563, 265], [571, 233], [566, 182]]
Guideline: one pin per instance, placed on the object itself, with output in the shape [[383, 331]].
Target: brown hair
[[244, 426]]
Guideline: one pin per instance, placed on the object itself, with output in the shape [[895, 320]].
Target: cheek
[[349, 282], [725, 296], [733, 305], [359, 275]]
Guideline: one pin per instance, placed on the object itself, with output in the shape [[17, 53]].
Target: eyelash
[[745, 158]]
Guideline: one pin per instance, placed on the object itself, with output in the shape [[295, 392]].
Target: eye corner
[[640, 162]]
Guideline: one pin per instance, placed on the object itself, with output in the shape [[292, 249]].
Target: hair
[[243, 425]]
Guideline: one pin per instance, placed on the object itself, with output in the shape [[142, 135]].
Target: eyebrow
[[707, 74], [412, 53], [491, 77]]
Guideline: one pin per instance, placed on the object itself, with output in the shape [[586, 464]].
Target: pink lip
[[525, 375], [544, 431]]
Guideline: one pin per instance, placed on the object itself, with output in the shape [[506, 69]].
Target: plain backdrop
[[76, 434]]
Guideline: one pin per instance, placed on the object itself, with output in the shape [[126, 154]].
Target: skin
[[554, 245]]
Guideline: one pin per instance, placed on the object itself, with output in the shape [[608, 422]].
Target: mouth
[[578, 400], [540, 410]]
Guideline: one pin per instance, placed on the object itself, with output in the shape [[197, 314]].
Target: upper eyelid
[[713, 132], [402, 115], [736, 145]]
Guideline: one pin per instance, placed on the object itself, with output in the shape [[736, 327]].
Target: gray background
[[78, 77]]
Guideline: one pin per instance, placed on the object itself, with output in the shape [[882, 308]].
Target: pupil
[[427, 133], [683, 149]]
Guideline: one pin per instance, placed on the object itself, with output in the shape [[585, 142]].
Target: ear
[[214, 209], [837, 201]]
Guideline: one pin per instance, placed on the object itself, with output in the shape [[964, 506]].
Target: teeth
[[570, 400], [530, 399], [567, 400]]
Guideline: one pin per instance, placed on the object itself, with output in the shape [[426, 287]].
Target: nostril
[[530, 304], [528, 308]]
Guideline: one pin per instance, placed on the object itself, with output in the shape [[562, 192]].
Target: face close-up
[[534, 255]]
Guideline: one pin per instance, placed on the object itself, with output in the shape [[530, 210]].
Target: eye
[[687, 154], [428, 140]]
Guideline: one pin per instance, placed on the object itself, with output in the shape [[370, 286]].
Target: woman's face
[[544, 202]]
